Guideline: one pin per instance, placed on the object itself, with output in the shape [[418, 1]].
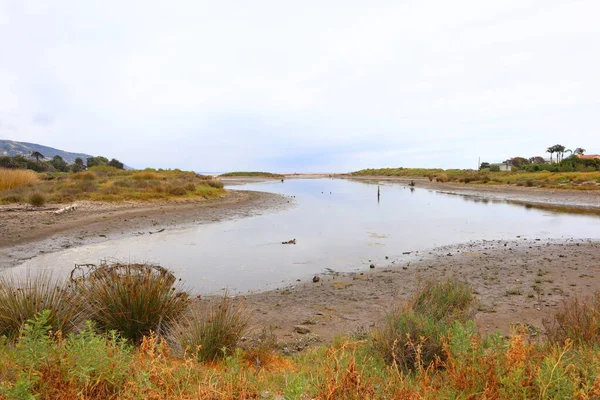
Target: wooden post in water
[[378, 193]]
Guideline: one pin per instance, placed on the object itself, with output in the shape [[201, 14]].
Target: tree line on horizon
[[36, 162], [572, 163]]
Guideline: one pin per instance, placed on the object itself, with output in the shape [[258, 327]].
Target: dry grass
[[109, 184], [85, 175], [12, 178], [92, 365]]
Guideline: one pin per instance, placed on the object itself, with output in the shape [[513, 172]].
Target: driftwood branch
[[13, 209]]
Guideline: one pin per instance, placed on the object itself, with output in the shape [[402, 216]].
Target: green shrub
[[449, 300], [37, 200], [133, 299], [408, 339], [413, 335], [21, 299], [98, 364], [190, 187], [211, 330], [495, 168], [82, 365]]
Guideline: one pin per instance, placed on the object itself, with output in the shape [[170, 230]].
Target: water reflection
[[336, 226]]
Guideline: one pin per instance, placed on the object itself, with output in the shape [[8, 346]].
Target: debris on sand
[[293, 241], [301, 329], [66, 209]]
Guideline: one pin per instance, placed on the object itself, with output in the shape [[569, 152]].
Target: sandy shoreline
[[562, 199], [518, 281], [25, 234]]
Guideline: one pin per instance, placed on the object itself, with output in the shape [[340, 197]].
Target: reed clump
[[12, 178], [133, 299], [211, 330]]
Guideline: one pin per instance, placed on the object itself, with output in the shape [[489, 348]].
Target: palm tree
[[570, 151], [37, 155], [559, 149], [551, 151], [579, 151]]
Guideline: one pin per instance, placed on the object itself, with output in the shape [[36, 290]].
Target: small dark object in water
[[372, 266], [386, 257], [412, 183], [316, 279], [293, 241]]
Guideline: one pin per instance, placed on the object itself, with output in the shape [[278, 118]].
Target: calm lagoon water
[[338, 225]]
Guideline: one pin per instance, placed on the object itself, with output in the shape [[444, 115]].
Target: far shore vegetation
[[133, 331], [105, 183], [573, 172], [252, 174]]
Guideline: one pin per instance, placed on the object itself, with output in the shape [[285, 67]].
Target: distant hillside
[[12, 148]]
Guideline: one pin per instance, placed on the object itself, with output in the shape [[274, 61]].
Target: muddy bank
[[26, 233], [519, 281], [565, 200]]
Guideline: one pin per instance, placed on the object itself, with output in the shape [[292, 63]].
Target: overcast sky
[[307, 86]]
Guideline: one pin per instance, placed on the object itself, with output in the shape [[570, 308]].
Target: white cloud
[[334, 85]]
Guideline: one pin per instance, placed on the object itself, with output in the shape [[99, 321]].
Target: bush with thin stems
[[577, 320], [133, 299], [22, 298], [211, 330]]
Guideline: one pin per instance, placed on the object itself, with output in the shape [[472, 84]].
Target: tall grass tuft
[[133, 299], [211, 330], [11, 178], [413, 335], [37, 199], [448, 300], [22, 298]]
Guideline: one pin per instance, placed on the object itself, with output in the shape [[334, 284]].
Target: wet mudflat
[[338, 225]]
